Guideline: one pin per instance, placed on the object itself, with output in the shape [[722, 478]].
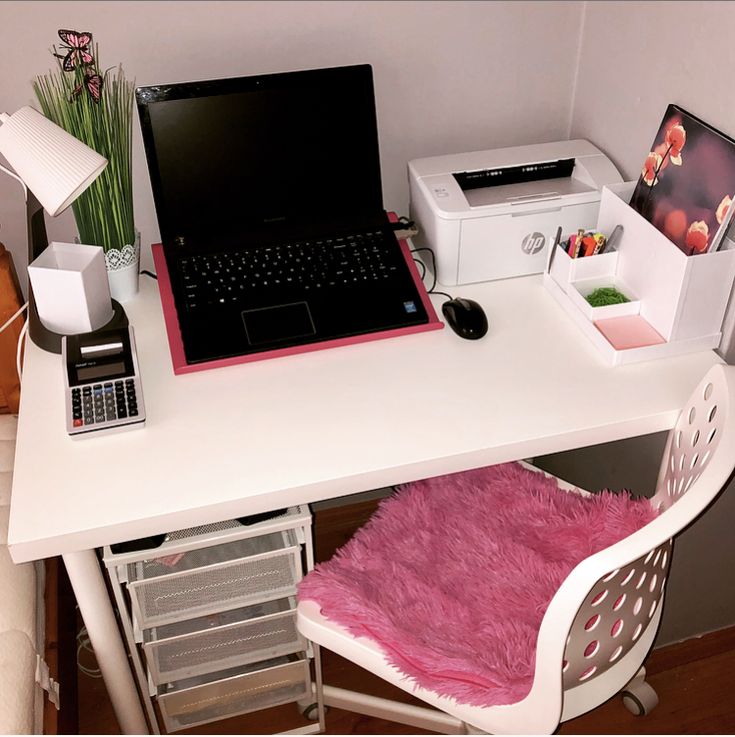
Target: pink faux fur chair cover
[[452, 575]]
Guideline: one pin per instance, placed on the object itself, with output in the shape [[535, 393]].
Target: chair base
[[639, 698], [394, 711]]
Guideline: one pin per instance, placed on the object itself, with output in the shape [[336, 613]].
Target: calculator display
[[98, 356], [105, 370]]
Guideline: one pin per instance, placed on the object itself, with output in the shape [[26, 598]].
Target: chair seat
[[452, 575]]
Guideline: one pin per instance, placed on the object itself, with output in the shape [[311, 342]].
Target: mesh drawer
[[236, 691], [222, 640], [216, 578]]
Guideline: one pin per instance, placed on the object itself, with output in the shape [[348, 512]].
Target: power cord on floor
[[84, 645]]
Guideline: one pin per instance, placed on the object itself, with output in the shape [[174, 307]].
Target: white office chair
[[602, 620]]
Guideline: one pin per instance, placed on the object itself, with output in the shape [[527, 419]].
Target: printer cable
[[432, 289], [406, 228]]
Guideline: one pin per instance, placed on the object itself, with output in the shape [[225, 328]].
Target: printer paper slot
[[525, 213], [525, 198], [502, 175], [519, 194]]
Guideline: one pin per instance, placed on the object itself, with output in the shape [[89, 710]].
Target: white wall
[[637, 57], [449, 76]]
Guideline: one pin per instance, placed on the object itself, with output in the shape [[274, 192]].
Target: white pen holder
[[682, 297], [71, 289]]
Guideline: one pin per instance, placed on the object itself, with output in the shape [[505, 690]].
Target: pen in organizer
[[611, 243], [554, 247], [575, 243]]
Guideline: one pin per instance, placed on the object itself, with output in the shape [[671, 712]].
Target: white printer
[[493, 214]]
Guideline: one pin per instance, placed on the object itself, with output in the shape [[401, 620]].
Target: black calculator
[[102, 382]]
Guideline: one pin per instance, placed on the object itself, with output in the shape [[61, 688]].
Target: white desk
[[234, 441]]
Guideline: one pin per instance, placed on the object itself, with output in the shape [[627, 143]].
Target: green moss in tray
[[606, 296]]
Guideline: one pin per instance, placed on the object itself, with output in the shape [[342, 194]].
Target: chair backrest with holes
[[610, 605], [692, 443]]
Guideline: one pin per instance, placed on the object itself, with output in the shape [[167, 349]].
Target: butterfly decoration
[[76, 45], [92, 83]]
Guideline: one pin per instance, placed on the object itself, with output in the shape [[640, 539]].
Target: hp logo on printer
[[533, 243]]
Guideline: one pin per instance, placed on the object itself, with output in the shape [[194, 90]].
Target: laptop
[[269, 201]]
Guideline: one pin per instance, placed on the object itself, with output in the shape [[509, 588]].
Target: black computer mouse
[[465, 317]]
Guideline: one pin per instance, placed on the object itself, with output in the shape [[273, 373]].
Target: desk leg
[[89, 587]]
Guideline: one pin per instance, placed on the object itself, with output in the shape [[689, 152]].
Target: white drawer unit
[[222, 640], [224, 694], [210, 621], [214, 578]]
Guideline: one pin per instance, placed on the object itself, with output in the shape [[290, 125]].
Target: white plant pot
[[123, 267]]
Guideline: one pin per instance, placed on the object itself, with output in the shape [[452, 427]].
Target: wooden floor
[[694, 681]]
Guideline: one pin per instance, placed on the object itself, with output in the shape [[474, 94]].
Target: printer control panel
[[440, 191]]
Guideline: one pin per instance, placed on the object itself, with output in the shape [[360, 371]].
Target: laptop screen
[[252, 153]]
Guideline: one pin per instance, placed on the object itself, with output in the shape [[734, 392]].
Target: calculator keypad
[[95, 404]]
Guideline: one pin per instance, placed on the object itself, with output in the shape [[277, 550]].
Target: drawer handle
[[185, 653], [215, 585], [268, 687]]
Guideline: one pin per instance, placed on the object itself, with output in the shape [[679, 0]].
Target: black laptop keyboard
[[210, 280]]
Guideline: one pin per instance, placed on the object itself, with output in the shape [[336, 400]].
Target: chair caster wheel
[[641, 700], [310, 710]]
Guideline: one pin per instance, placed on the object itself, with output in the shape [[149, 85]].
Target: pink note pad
[[629, 331], [176, 345]]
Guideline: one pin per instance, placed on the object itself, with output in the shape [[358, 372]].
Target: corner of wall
[[577, 64]]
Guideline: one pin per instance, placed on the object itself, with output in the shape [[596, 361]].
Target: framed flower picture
[[687, 184]]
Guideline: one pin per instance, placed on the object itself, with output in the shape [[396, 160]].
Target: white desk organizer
[[682, 297]]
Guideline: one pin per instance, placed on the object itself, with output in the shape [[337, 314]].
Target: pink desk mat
[[176, 345]]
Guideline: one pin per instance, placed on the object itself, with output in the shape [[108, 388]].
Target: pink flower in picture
[[722, 208], [676, 137], [697, 237], [675, 225], [651, 168], [662, 150], [670, 150], [693, 198]]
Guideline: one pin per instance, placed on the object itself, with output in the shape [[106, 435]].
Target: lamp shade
[[53, 164]]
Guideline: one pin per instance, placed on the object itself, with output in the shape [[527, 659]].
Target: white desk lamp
[[54, 168]]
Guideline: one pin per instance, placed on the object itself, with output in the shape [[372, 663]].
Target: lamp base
[[51, 341]]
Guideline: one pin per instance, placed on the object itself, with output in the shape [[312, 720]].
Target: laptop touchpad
[[278, 323]]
